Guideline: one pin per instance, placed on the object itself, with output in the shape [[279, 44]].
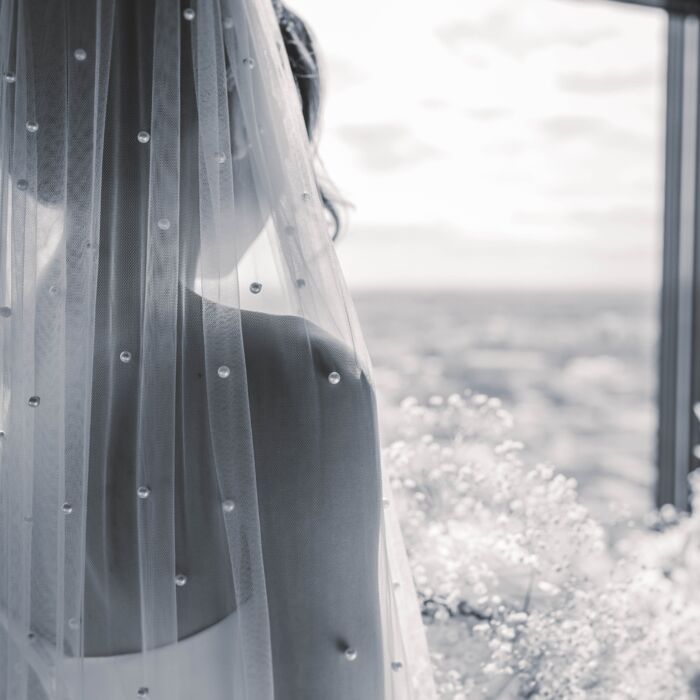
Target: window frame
[[679, 342], [682, 7]]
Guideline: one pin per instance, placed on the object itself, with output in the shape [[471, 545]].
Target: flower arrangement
[[522, 593]]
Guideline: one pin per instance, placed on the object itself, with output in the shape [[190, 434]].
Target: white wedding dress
[[190, 483]]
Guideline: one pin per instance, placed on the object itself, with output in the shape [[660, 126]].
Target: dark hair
[[301, 51]]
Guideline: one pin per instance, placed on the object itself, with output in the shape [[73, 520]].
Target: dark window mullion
[[680, 7], [694, 462], [678, 377]]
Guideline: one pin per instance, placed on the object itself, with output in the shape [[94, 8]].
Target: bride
[[190, 486]]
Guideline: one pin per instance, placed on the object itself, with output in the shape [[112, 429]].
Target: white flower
[[518, 583]]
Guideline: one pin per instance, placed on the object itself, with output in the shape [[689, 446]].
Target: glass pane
[[506, 164]]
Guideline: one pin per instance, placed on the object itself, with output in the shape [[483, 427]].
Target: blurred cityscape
[[576, 370], [502, 152]]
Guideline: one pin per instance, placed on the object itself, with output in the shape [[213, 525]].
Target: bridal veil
[[117, 215]]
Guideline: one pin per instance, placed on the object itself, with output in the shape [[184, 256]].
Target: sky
[[495, 144]]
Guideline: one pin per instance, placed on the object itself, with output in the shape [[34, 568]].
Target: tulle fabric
[[75, 271]]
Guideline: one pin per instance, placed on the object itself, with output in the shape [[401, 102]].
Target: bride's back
[[314, 441], [317, 479]]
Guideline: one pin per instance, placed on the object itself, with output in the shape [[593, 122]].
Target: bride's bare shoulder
[[277, 345], [285, 341]]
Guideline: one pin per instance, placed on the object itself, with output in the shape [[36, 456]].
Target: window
[[404, 143]]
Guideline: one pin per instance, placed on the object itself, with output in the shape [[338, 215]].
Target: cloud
[[343, 72], [622, 221], [488, 113], [569, 126], [384, 147], [504, 29], [602, 82], [459, 32], [411, 233]]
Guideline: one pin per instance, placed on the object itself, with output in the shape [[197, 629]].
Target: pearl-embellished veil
[[186, 411]]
